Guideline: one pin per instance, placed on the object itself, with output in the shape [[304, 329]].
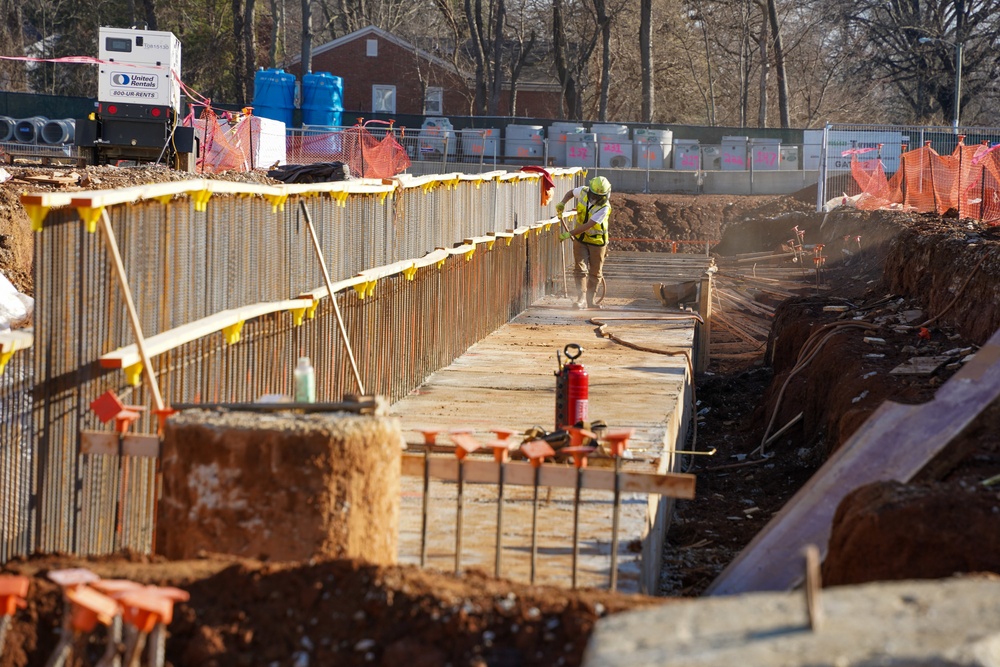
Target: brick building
[[383, 73]]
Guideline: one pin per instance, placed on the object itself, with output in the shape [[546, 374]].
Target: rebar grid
[[183, 265]]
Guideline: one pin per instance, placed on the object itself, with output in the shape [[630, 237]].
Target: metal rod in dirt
[[498, 564], [614, 524], [427, 497], [333, 296], [4, 624], [576, 522], [534, 525], [111, 658], [458, 516]]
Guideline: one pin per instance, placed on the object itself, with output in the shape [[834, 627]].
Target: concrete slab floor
[[507, 380]]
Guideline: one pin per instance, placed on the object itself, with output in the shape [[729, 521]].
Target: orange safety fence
[[241, 144], [966, 182]]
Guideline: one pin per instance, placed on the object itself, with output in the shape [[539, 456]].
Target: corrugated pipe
[[6, 128], [27, 130], [58, 132]]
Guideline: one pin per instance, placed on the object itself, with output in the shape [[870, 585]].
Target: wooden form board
[[127, 356], [107, 443], [673, 485], [18, 339], [895, 443]]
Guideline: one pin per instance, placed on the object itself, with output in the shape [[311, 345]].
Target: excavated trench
[[909, 271]]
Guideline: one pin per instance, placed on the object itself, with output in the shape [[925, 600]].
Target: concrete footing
[[948, 623]]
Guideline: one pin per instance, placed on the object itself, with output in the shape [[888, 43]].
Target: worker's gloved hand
[[564, 235], [560, 207]]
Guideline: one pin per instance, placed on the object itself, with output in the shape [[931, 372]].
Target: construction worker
[[593, 212]]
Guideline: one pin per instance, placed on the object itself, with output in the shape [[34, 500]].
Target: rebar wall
[[184, 264]]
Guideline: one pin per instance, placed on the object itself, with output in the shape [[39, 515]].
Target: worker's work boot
[[581, 285]]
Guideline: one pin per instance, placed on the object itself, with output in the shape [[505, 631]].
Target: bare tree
[[149, 8], [646, 56], [245, 37], [779, 62], [920, 74], [307, 35], [13, 75], [572, 58], [765, 70], [604, 22], [277, 25]]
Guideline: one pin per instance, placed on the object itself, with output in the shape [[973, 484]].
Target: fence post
[[821, 178]]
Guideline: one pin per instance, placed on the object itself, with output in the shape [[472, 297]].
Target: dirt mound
[[336, 612], [639, 220], [887, 531], [906, 271]]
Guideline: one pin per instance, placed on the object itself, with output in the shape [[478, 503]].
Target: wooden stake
[[333, 296], [133, 315], [813, 586]]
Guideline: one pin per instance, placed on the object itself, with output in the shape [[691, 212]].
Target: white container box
[[614, 146], [482, 142], [765, 154], [687, 155], [652, 148], [525, 141], [734, 153], [437, 135], [558, 135], [789, 158], [581, 150]]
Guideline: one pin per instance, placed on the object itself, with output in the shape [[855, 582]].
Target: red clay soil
[[335, 612], [888, 530]]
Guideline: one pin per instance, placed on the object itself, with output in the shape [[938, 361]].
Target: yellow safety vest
[[598, 234]]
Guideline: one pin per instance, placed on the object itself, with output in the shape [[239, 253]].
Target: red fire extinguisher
[[572, 389]]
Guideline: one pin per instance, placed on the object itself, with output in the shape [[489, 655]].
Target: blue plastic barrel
[[322, 99], [274, 95]]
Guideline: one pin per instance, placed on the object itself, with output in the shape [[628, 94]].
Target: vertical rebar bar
[[616, 511], [576, 521], [425, 512], [534, 524], [498, 562], [458, 516]]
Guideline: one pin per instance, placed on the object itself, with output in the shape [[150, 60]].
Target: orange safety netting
[[247, 143], [356, 147], [966, 182]]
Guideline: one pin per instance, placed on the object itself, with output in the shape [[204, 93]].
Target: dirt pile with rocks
[[332, 612]]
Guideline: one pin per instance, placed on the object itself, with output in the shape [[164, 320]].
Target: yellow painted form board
[[127, 356], [18, 339]]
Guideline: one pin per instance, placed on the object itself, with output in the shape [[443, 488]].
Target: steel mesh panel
[[183, 265]]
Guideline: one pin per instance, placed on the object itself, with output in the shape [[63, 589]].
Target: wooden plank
[[920, 365], [673, 485], [17, 339], [156, 345], [105, 443], [895, 443]]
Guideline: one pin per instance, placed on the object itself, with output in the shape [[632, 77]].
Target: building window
[[383, 99], [434, 102], [372, 47]]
